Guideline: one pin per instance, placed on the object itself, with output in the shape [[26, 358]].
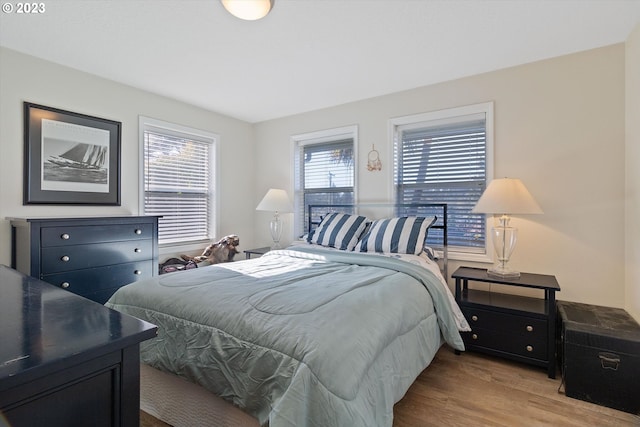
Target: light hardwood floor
[[477, 390]]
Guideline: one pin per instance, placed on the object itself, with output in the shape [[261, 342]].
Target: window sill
[[180, 248], [470, 257]]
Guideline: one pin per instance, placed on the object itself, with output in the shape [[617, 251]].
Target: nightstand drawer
[[79, 235], [506, 323], [65, 258], [524, 345]]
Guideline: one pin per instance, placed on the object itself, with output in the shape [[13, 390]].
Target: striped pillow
[[339, 231], [403, 235]]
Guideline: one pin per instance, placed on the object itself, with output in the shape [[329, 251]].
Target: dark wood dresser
[[90, 256], [65, 360]]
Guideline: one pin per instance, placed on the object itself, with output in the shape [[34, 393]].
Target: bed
[[331, 331]]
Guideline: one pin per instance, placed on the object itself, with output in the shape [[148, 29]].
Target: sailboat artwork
[[75, 157], [82, 156]]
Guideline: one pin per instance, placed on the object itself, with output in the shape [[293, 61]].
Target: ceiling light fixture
[[249, 10]]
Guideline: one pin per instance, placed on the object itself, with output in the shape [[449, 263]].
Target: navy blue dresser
[[66, 361], [89, 256]]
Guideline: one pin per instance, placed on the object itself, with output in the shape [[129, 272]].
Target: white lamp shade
[[506, 196], [275, 200], [249, 10]]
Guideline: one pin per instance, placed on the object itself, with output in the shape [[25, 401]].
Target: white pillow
[[338, 230], [402, 235]]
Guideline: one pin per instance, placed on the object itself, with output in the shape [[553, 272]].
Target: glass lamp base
[[503, 272], [504, 241], [275, 227]]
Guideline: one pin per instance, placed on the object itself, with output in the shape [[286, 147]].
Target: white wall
[[559, 126], [632, 231], [25, 78]]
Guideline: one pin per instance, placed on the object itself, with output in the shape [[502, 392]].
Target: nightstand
[[511, 326], [256, 251]]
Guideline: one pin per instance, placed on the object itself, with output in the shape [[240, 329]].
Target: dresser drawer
[[78, 235], [65, 258], [520, 344], [507, 323], [88, 282]]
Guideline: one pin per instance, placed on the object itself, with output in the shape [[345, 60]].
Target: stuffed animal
[[222, 251]]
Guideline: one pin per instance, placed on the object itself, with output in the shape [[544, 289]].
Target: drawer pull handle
[[529, 328], [65, 258], [474, 336], [138, 272], [474, 318], [529, 348], [65, 285], [65, 236], [609, 361], [137, 250], [138, 231]]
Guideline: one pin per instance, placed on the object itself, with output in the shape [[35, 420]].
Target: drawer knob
[[474, 336], [65, 258], [65, 285], [65, 236], [138, 272], [474, 318], [137, 250], [529, 348], [529, 328], [138, 231]]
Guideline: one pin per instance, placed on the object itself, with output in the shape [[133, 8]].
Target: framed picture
[[70, 158]]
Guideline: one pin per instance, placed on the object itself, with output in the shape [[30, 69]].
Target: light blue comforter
[[300, 337]]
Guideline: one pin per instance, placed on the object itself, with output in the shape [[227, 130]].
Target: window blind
[[177, 185], [326, 172], [446, 163]]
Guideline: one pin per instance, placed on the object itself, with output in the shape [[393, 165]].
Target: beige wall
[[632, 231], [559, 126], [25, 78]]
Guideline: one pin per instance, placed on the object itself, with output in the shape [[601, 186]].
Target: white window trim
[[445, 115], [318, 137], [199, 134]]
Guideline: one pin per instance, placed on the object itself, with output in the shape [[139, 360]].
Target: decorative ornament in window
[[373, 160]]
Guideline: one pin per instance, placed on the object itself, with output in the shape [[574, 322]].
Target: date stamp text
[[24, 8]]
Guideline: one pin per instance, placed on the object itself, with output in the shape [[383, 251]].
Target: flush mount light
[[249, 10]]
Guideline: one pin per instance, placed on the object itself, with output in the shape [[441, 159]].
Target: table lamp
[[276, 201], [505, 196]]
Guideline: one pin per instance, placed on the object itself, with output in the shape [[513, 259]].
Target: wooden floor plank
[[472, 389], [489, 391]]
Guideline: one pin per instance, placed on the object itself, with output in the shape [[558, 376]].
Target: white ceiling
[[307, 54]]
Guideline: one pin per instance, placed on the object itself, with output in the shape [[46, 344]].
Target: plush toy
[[222, 251]]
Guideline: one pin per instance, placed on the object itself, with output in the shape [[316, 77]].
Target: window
[[324, 171], [178, 177], [443, 157]]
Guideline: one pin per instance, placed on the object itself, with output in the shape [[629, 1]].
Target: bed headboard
[[437, 237]]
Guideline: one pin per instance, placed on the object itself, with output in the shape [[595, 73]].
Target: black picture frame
[[70, 158]]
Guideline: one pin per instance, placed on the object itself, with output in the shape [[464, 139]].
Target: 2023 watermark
[[24, 8]]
